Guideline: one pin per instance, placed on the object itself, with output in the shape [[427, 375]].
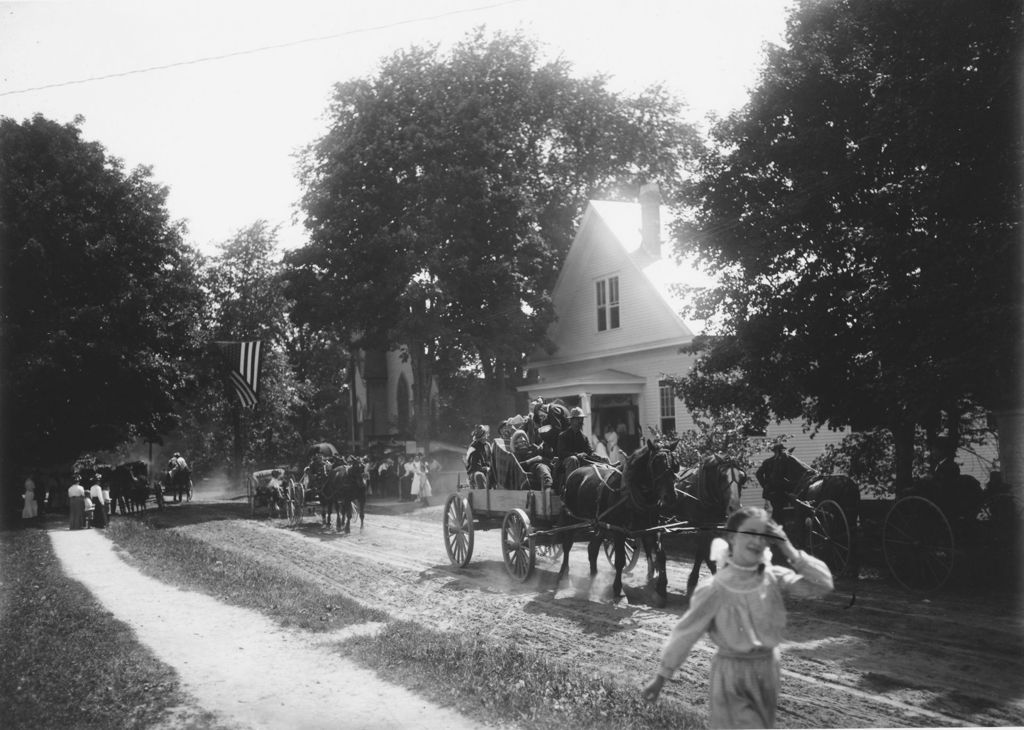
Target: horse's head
[[714, 485], [734, 478], [651, 472]]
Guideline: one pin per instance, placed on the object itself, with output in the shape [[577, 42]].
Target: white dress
[[417, 479], [30, 509]]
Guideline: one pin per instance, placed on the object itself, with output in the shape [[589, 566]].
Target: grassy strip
[[231, 578], [485, 680], [481, 678], [64, 660]]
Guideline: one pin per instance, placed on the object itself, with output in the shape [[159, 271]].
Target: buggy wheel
[[918, 544], [188, 494], [549, 552], [517, 545], [632, 548], [458, 530], [828, 538]]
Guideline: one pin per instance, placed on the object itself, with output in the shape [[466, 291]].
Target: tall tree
[[442, 199], [248, 303], [863, 211], [101, 303]]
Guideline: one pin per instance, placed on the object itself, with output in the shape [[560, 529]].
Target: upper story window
[[608, 304]]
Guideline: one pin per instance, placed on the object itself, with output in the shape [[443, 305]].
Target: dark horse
[[705, 496], [345, 485], [805, 489], [125, 482], [616, 503]]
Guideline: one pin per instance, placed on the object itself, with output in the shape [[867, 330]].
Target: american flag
[[243, 359]]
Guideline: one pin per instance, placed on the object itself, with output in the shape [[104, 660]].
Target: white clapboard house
[[619, 330]]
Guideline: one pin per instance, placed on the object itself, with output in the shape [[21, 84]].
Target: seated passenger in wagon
[[574, 449], [478, 458], [958, 495], [531, 458], [548, 422]]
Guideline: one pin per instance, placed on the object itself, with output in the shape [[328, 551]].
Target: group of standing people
[[88, 508], [414, 483], [94, 493]]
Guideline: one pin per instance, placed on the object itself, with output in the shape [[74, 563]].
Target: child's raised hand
[[776, 532], [652, 690]]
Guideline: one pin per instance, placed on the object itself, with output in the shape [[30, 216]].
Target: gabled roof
[[623, 220], [618, 226]]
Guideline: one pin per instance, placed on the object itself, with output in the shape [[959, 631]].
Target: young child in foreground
[[741, 609]]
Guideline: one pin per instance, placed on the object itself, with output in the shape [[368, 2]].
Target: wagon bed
[[527, 516]]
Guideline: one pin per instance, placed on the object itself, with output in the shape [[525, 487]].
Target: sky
[[217, 97]]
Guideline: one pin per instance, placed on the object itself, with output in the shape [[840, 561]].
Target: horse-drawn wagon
[[526, 515], [276, 491], [935, 526], [619, 508]]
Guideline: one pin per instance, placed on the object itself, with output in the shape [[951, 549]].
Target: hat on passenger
[[576, 413]]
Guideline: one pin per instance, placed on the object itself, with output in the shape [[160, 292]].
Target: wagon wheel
[[517, 547], [549, 552], [458, 530], [632, 553], [918, 544], [828, 535], [188, 494]]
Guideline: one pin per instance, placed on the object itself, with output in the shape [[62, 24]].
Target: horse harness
[[626, 494]]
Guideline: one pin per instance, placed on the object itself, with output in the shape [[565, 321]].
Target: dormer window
[[608, 304]]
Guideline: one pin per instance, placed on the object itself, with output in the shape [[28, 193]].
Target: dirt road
[[892, 659]]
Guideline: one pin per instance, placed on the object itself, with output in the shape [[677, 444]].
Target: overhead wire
[[263, 49]]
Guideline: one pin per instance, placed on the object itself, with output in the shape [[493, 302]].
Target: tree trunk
[[423, 371], [1011, 449]]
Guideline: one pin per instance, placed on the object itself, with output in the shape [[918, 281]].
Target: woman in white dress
[[425, 469], [419, 474], [30, 509]]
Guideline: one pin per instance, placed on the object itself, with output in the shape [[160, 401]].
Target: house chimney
[[650, 219]]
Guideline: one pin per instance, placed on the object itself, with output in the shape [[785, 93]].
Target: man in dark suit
[[775, 484], [573, 448]]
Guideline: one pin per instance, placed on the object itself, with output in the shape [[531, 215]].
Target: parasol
[[324, 449]]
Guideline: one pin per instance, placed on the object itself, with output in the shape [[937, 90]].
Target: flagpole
[[352, 397], [239, 451]]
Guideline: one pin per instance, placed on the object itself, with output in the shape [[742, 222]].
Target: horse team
[[644, 499], [650, 496], [338, 484]]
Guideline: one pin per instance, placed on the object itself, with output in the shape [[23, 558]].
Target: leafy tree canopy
[[863, 211], [247, 303], [101, 302], [444, 196]]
